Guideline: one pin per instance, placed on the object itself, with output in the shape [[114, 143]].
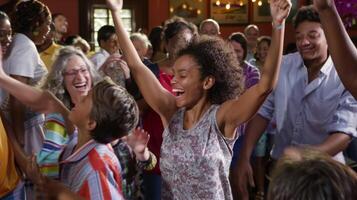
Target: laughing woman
[[200, 121]]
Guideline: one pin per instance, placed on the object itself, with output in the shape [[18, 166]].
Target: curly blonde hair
[[55, 79]]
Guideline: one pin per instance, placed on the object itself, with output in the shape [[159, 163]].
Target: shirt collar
[[104, 52], [81, 152], [326, 67]]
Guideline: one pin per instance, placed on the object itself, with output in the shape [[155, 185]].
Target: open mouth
[[178, 92], [81, 86]]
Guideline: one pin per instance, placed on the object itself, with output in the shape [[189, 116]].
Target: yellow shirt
[[8, 174], [48, 55]]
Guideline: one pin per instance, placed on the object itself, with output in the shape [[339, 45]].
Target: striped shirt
[[56, 138], [92, 171]]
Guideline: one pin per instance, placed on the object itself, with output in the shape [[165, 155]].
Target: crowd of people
[[180, 113]]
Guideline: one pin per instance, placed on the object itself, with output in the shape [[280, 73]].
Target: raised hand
[[116, 58], [115, 5], [112, 58], [138, 141], [279, 10], [323, 4]]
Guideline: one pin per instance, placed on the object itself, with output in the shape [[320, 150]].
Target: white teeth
[[178, 90], [80, 84]]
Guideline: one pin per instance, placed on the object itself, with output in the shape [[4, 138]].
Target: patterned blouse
[[195, 162]]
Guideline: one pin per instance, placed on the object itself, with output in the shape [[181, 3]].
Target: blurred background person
[[61, 27], [209, 27]]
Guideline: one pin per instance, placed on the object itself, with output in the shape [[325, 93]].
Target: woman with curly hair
[[177, 34], [30, 22], [201, 118]]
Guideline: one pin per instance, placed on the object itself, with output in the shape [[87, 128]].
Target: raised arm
[[235, 112], [38, 100], [341, 48], [155, 95]]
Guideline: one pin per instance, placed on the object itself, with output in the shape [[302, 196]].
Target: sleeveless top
[[195, 162]]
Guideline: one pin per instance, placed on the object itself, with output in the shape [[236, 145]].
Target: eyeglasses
[[75, 72]]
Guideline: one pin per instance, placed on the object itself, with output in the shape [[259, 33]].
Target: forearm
[[254, 130], [270, 70], [132, 58], [341, 48], [155, 95], [334, 144], [17, 113], [20, 156], [18, 88], [64, 111]]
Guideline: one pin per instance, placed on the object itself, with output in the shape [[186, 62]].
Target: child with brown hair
[[311, 174], [88, 165]]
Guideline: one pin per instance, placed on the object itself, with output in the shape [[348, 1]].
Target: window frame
[[139, 16]]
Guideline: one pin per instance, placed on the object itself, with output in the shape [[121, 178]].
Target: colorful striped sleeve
[[55, 139]]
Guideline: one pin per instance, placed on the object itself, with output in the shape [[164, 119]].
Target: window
[[94, 13], [101, 16]]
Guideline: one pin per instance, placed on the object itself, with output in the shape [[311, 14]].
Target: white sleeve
[[23, 60]]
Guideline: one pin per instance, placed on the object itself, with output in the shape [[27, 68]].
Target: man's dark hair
[[241, 39], [105, 32], [306, 13]]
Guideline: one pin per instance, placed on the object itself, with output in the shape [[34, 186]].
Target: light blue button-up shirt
[[307, 113]]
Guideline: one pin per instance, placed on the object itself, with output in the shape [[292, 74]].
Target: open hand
[[117, 60], [280, 10], [137, 140], [115, 5], [112, 58]]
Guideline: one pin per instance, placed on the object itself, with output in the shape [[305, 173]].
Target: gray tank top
[[195, 163]]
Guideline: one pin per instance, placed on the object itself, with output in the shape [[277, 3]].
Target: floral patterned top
[[195, 162]]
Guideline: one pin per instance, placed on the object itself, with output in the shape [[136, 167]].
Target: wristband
[[278, 26], [148, 164]]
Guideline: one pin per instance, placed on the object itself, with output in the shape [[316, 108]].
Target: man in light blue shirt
[[108, 43], [310, 104]]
